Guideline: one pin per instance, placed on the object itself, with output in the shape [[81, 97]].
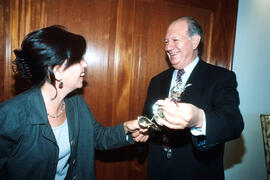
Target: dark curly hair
[[43, 49]]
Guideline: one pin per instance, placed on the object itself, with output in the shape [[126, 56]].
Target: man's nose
[[168, 46]]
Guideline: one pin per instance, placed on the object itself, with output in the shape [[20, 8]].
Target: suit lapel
[[196, 79], [38, 115], [165, 84], [73, 121]]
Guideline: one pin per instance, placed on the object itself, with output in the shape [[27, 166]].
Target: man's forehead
[[181, 23], [179, 27]]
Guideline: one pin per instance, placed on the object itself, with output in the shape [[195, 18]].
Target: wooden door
[[125, 49]]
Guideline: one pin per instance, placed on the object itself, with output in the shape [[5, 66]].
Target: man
[[191, 144]]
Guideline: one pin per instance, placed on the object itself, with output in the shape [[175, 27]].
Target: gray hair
[[194, 28]]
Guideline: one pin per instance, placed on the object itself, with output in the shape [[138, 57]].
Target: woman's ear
[[58, 70], [196, 40]]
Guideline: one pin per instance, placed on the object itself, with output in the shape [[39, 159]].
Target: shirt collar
[[188, 70]]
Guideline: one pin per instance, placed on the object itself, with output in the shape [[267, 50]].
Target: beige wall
[[251, 63]]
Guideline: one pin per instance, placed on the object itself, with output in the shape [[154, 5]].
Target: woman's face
[[73, 76]]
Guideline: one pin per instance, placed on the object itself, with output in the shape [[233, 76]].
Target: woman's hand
[[138, 134]]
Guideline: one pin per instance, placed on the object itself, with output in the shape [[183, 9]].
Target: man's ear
[[196, 41]]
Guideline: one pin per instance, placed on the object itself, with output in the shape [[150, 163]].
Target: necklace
[[60, 113]]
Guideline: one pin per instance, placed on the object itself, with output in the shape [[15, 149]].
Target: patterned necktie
[[166, 141], [179, 75]]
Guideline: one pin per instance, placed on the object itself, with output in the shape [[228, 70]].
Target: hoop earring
[[61, 85]]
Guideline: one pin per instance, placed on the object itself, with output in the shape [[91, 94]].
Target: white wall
[[244, 158]]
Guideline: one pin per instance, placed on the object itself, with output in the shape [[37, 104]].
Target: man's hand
[[138, 134], [181, 115]]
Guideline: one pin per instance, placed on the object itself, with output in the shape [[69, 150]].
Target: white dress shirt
[[188, 70]]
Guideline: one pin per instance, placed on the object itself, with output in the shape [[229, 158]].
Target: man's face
[[178, 45]]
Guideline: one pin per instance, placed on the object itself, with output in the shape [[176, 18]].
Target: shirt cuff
[[196, 131]]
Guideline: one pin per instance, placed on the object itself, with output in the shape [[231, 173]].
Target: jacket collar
[[39, 114], [37, 107]]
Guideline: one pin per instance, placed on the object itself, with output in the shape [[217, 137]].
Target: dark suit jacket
[[213, 90], [28, 148]]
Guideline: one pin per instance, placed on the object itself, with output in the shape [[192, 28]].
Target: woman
[[45, 133]]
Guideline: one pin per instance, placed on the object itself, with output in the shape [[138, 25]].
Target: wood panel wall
[[125, 49]]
